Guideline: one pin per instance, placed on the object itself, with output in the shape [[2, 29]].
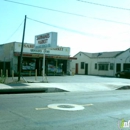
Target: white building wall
[[101, 61], [123, 58], [6, 54], [80, 58]]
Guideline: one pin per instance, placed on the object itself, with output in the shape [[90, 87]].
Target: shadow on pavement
[[123, 88]]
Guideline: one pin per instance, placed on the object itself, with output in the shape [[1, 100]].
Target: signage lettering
[[36, 51], [57, 49], [28, 45], [43, 36], [44, 41]]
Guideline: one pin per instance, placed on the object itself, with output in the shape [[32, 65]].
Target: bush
[[2, 79]]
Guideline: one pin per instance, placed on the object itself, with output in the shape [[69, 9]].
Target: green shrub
[[2, 79]]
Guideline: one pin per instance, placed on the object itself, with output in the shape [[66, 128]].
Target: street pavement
[[104, 110], [76, 83], [87, 103]]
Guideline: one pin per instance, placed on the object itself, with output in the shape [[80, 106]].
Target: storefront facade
[[57, 60]]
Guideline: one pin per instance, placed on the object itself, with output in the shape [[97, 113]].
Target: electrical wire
[[80, 15], [67, 29], [109, 6], [14, 31]]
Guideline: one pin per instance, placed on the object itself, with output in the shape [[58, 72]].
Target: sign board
[[29, 49], [47, 40]]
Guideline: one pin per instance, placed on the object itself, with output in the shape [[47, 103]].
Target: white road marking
[[87, 105], [42, 108], [73, 107], [66, 107]]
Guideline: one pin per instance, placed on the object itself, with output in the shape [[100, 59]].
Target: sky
[[90, 30]]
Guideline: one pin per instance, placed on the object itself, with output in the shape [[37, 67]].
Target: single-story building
[[103, 63], [57, 60]]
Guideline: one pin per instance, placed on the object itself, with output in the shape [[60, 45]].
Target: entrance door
[[118, 67], [86, 69], [76, 68], [126, 66]]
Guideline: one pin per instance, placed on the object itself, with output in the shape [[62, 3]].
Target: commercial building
[[103, 63], [57, 60]]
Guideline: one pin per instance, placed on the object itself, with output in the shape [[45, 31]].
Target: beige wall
[[80, 58], [122, 58], [6, 52], [100, 72]]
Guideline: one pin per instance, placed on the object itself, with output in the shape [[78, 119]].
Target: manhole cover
[[66, 107]]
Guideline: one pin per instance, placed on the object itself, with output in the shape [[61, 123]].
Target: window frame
[[95, 66], [103, 67], [111, 66], [82, 65]]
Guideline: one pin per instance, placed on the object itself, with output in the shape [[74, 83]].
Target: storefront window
[[55, 66], [28, 64]]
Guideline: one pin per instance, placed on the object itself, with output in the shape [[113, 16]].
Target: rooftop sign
[[47, 40]]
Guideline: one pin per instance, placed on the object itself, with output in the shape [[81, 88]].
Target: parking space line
[[45, 108], [87, 105]]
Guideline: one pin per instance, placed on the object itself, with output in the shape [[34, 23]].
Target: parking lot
[[74, 83]]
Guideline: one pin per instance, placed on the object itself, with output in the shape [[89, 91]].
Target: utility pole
[[43, 65], [20, 61]]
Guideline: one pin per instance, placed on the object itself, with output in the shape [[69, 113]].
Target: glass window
[[28, 64], [103, 67], [82, 65], [111, 66], [96, 66]]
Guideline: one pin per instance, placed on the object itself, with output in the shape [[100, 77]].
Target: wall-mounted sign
[[29, 49], [47, 40]]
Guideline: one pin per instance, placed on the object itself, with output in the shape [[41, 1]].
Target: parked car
[[123, 74]]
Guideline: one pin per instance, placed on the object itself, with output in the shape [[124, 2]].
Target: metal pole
[[36, 74], [20, 62], [43, 78], [6, 73], [13, 74]]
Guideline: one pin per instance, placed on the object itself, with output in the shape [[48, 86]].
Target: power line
[[80, 15], [109, 6], [14, 32], [45, 8], [67, 29], [112, 21]]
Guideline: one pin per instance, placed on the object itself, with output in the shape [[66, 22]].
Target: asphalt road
[[93, 110]]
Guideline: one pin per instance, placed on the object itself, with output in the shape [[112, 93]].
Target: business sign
[[47, 40], [30, 49]]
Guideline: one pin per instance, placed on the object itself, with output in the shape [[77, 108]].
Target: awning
[[47, 56]]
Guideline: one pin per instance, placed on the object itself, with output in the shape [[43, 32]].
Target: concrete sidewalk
[[77, 83]]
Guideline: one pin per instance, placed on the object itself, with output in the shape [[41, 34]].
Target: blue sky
[[80, 33]]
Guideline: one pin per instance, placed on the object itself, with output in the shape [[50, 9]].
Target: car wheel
[[118, 75]]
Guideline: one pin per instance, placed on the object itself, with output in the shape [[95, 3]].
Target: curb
[[30, 90], [21, 90]]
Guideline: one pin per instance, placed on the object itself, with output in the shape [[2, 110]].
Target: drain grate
[[65, 106]]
